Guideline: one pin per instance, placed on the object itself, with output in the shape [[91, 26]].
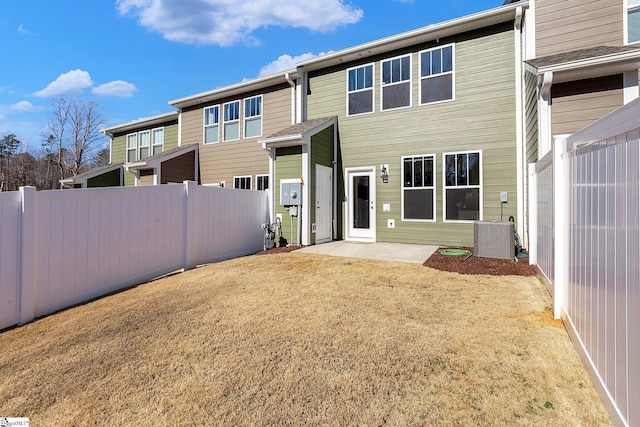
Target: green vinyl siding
[[321, 154], [482, 117], [288, 166]]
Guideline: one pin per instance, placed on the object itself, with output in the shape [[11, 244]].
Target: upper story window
[[463, 190], [437, 75], [132, 146], [212, 124], [253, 117], [396, 83], [157, 141], [360, 90], [143, 144], [231, 124], [633, 21], [418, 188]]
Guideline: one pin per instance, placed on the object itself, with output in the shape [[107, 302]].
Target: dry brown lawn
[[301, 339]]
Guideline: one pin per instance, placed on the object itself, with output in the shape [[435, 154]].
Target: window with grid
[[144, 142], [212, 124], [132, 146], [253, 117], [231, 124], [157, 141], [396, 83], [360, 90], [418, 188], [437, 74], [463, 189]]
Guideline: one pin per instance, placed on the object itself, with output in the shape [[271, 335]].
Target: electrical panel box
[[290, 193]]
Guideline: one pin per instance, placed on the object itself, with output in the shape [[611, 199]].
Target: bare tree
[[75, 131]]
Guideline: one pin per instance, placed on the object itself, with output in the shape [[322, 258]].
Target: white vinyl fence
[[597, 253], [63, 247]]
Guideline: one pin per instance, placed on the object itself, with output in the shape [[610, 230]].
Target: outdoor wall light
[[384, 173]]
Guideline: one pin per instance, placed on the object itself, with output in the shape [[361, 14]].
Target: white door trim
[[353, 233], [323, 205]]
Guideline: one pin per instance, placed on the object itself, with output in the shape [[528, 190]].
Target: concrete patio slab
[[402, 252]]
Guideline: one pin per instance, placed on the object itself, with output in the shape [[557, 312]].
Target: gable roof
[[298, 133]]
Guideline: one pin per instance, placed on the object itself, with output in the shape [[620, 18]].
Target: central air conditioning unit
[[493, 239]]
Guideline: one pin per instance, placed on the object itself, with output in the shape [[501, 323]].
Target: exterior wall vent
[[493, 239]]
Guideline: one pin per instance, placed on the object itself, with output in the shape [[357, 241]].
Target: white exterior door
[[361, 204], [324, 185]]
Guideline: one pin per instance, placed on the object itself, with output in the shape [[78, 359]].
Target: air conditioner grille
[[493, 239]]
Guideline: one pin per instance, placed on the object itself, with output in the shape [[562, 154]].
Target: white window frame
[[372, 89], [384, 85], [431, 187], [154, 142], [479, 186], [248, 118], [226, 122], [133, 148], [452, 72], [243, 177], [205, 126], [629, 5], [141, 136], [258, 178]]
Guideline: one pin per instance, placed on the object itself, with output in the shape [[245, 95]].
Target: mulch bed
[[475, 265], [458, 264]]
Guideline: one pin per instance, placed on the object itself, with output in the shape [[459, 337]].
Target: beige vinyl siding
[[321, 154], [577, 104], [481, 118], [563, 26], [146, 176], [178, 169], [288, 166], [224, 160]]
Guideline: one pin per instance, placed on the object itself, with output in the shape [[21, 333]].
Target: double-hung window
[[132, 146], [396, 83], [212, 124], [418, 188], [231, 124], [262, 182], [462, 186], [242, 182], [253, 117], [633, 21], [437, 74], [157, 141], [360, 90], [143, 144]]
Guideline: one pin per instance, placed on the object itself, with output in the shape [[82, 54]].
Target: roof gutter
[[293, 97]]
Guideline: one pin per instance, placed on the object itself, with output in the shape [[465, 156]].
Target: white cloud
[[71, 83], [117, 88], [287, 62], [227, 22], [22, 30], [22, 106]]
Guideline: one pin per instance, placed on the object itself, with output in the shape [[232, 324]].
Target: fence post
[[561, 226], [190, 230], [28, 263], [533, 215]]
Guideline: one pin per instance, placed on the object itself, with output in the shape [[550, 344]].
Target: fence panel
[[94, 241], [545, 226], [228, 223], [10, 208]]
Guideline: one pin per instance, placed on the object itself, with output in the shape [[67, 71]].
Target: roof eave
[[429, 33], [137, 124], [235, 89], [592, 67]]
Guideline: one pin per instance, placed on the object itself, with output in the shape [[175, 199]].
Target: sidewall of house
[[288, 166]]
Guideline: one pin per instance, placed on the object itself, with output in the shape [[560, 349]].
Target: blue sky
[[133, 56]]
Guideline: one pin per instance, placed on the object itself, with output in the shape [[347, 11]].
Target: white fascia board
[[285, 141], [139, 123], [592, 67]]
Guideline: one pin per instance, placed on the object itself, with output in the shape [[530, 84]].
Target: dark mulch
[[457, 264], [475, 265]]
